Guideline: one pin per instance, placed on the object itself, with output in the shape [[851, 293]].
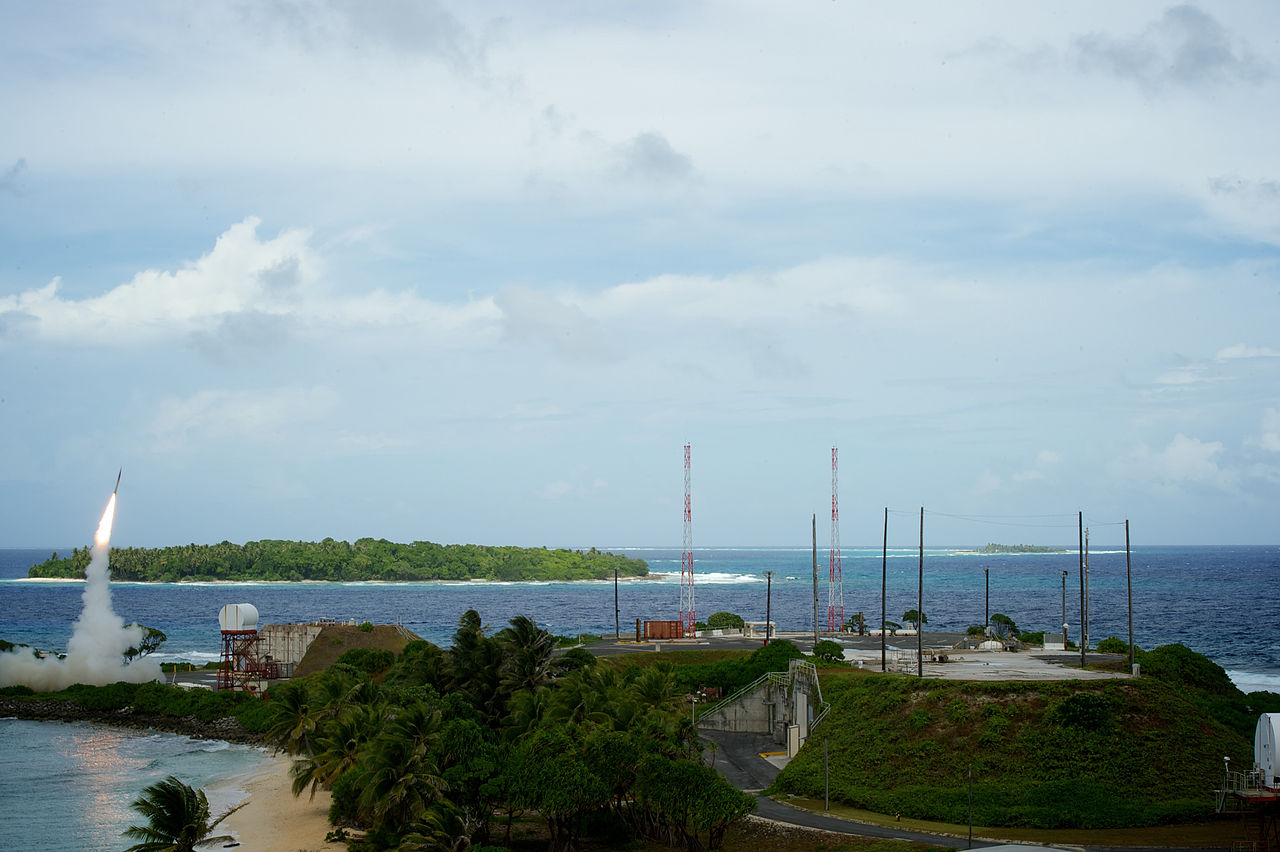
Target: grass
[[336, 639], [1213, 833], [1083, 754], [690, 657]]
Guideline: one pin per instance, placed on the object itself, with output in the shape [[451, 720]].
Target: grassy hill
[[1084, 754], [336, 639]]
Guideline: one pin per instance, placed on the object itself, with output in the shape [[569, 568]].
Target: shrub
[[16, 690], [366, 627], [574, 659], [828, 651], [371, 660], [1085, 710], [975, 630], [724, 620], [1112, 645]]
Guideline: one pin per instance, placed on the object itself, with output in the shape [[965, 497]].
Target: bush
[[1112, 645], [724, 621], [366, 627], [370, 660], [17, 690], [574, 659], [975, 630], [828, 651]]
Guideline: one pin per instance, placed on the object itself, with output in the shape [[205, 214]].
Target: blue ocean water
[[68, 786], [1221, 601]]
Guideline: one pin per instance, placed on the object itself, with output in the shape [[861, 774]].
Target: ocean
[[1220, 601]]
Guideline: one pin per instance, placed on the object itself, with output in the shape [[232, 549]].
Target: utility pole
[[616, 628], [1064, 610], [884, 574], [1128, 576], [768, 605], [920, 605], [815, 579], [1080, 525], [987, 573]]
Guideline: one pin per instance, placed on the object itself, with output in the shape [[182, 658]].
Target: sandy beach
[[273, 820]]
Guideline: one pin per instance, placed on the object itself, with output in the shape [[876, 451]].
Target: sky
[[477, 272]]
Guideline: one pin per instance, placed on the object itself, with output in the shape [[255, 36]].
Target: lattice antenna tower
[[835, 575], [686, 559]]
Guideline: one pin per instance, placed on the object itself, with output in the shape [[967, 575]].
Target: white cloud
[[245, 289], [1269, 439], [264, 416], [1241, 350], [1185, 461], [562, 489]]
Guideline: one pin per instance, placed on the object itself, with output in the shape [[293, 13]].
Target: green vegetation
[[152, 639], [724, 621], [994, 548], [915, 619], [160, 699], [329, 560], [446, 749], [1086, 754], [828, 651], [1112, 645], [177, 817]]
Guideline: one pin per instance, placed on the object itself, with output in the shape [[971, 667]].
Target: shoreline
[[272, 819], [632, 578]]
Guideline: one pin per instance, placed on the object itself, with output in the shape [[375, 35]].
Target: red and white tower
[[835, 578], [686, 558]]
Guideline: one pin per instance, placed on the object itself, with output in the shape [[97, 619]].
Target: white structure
[[238, 617], [1265, 738]]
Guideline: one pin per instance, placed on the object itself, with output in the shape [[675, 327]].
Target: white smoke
[[99, 638]]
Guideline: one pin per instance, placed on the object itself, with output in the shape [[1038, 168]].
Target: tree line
[[338, 561], [446, 749]]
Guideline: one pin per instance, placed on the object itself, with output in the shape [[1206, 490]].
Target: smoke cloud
[[99, 638]]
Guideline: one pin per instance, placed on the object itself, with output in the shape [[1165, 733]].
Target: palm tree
[[177, 819], [293, 720], [528, 663]]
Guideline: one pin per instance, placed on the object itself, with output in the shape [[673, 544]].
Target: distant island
[[1020, 548], [338, 561]]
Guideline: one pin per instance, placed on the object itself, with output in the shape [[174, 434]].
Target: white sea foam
[[1254, 681]]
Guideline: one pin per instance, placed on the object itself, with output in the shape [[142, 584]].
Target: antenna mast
[[686, 558], [835, 574]]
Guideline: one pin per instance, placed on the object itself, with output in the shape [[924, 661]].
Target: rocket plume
[[99, 638]]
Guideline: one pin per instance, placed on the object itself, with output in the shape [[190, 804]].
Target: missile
[[117, 488]]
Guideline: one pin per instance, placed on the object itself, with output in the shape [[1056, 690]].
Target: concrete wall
[[286, 643]]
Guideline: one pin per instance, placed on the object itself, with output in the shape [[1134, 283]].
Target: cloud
[[265, 416], [1184, 462], [1269, 439], [408, 27], [1186, 47], [242, 292], [650, 157], [1241, 350], [1253, 204], [9, 180], [532, 317], [562, 489]]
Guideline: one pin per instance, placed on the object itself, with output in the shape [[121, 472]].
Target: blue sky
[[476, 272]]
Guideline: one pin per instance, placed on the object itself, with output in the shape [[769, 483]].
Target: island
[[338, 561], [1020, 548]]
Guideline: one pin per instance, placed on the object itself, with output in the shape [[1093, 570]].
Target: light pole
[[1064, 610], [768, 605], [987, 573]]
